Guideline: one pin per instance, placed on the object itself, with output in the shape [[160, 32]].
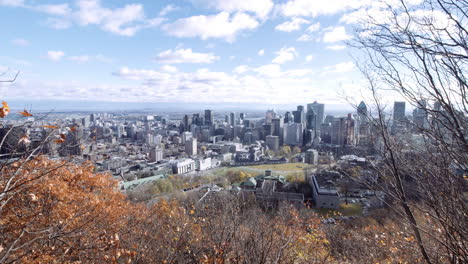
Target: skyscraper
[[155, 154], [209, 117], [319, 110], [272, 142], [299, 115], [288, 118], [311, 120], [362, 109], [420, 115], [398, 111], [242, 116], [191, 146], [293, 134], [186, 136], [269, 115], [233, 119], [343, 131], [278, 124], [187, 122]]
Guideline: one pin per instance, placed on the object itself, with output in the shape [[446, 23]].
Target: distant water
[[103, 106]]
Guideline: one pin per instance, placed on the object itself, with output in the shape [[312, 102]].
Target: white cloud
[[59, 10], [58, 23], [261, 52], [292, 25], [241, 69], [261, 8], [169, 68], [89, 58], [222, 25], [336, 34], [121, 21], [264, 84], [314, 27], [341, 67], [336, 47], [308, 36], [167, 9], [55, 55], [82, 58], [20, 42], [11, 2], [184, 56], [285, 54], [125, 21], [313, 8], [309, 58]]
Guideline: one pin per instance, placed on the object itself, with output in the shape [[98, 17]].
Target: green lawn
[[288, 167]]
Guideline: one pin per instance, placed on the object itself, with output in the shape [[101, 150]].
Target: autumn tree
[[60, 212]]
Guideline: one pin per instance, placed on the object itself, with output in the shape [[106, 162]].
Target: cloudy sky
[[201, 51]]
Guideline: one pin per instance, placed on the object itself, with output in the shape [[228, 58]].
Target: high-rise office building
[[209, 117], [248, 138], [338, 131], [269, 115], [232, 118], [155, 154], [343, 131], [272, 142], [267, 130], [191, 146], [420, 115], [288, 118], [187, 121], [311, 120], [399, 111], [278, 124], [319, 110], [293, 134], [300, 115], [186, 136], [362, 110]]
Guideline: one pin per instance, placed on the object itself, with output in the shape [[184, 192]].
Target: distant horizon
[[39, 105]]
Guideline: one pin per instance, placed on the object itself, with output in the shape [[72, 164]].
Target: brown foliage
[[59, 212]]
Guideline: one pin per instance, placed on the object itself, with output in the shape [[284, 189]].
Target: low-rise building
[[182, 166]]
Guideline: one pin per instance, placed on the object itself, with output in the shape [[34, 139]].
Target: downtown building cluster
[[136, 146]]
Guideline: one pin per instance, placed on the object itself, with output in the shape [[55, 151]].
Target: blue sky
[[200, 51]]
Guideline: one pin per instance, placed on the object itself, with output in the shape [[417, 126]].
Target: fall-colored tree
[[54, 211]]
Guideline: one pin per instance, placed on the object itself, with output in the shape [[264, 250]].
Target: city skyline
[[139, 51]]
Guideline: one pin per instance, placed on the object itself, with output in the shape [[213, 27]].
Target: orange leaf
[[73, 128], [49, 126], [5, 105], [61, 139], [4, 110], [25, 113], [24, 139]]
